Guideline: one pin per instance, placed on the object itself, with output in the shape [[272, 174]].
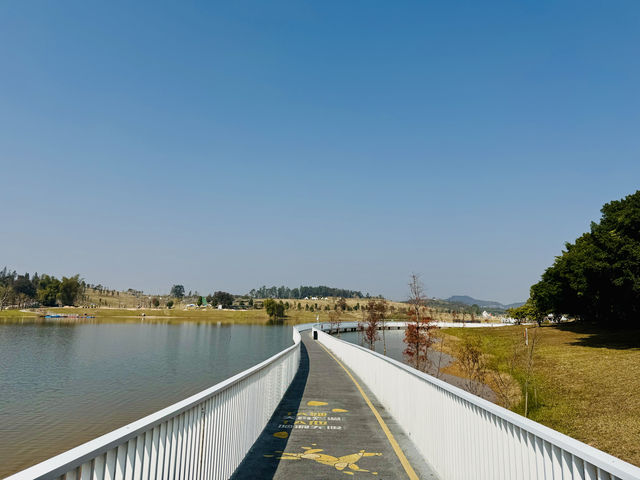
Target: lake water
[[437, 358], [62, 384], [395, 345]]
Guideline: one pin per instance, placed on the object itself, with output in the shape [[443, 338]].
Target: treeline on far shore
[[43, 290], [302, 292], [24, 291]]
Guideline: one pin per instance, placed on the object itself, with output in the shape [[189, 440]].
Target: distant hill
[[514, 305], [467, 300]]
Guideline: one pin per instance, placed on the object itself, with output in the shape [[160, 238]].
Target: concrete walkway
[[328, 427]]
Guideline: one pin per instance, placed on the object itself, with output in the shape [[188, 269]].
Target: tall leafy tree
[[24, 286], [597, 278], [70, 289], [221, 298], [528, 311], [48, 291], [177, 291], [274, 309]]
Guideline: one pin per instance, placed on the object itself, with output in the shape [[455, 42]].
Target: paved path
[[329, 427]]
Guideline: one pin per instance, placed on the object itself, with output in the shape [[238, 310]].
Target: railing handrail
[[70, 459], [403, 323], [600, 459]]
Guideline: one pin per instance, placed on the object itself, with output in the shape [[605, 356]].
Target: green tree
[[48, 291], [199, 301], [597, 278], [274, 309], [155, 302], [177, 291], [528, 311], [5, 294], [70, 289], [23, 286], [169, 303], [222, 298]]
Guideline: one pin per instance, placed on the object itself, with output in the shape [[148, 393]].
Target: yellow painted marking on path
[[281, 434], [339, 410], [314, 403], [339, 463], [396, 448]]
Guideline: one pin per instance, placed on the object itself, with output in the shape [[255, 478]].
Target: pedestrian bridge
[[324, 408]]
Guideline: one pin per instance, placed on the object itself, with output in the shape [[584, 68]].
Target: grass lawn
[[294, 316], [588, 381], [16, 314]]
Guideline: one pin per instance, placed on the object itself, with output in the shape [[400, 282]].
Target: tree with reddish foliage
[[377, 311], [418, 334], [361, 325], [374, 313], [335, 321]]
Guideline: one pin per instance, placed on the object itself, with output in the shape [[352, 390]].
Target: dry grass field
[[124, 306], [587, 381], [115, 305], [110, 304]]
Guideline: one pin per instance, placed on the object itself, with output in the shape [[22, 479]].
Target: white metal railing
[[204, 436], [465, 437], [393, 325]]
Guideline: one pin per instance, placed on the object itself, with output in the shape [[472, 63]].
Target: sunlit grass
[[588, 382], [17, 314], [293, 316]]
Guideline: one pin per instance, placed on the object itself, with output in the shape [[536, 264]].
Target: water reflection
[[67, 381]]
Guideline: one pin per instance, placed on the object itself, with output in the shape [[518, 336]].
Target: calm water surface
[[62, 384], [395, 345]]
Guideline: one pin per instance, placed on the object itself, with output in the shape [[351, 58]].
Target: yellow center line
[[394, 444]]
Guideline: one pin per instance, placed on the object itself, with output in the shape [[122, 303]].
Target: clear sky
[[347, 143]]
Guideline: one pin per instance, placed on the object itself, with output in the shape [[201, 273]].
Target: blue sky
[[348, 143]]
